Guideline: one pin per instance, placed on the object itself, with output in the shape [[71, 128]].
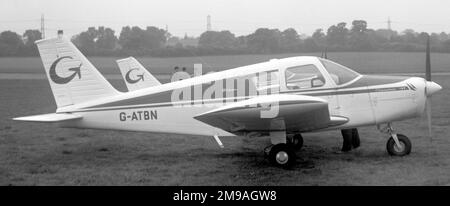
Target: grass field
[[365, 63], [43, 154]]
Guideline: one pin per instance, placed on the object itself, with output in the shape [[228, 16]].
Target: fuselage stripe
[[234, 99]]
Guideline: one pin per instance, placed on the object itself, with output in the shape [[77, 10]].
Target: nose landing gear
[[398, 144]]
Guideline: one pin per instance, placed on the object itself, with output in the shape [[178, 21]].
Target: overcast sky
[[238, 16]]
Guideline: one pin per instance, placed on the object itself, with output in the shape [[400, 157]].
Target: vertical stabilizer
[[73, 79], [135, 75]]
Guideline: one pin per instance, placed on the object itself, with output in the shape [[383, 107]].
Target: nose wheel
[[402, 148], [398, 144]]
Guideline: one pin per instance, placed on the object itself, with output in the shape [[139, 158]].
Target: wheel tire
[[282, 155], [296, 142], [404, 142]]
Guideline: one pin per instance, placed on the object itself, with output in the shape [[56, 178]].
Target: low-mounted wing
[[298, 112]]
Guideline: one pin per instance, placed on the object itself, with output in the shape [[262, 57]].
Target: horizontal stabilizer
[[53, 117]]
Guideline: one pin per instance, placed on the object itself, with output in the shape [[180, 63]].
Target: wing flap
[[300, 113], [53, 117]]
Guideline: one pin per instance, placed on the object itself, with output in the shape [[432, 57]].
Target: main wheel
[[404, 149], [296, 141], [282, 155]]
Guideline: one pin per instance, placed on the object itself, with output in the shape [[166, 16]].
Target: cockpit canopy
[[339, 73], [299, 74], [304, 73]]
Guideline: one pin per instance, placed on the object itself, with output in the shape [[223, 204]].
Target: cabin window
[[303, 77], [339, 73]]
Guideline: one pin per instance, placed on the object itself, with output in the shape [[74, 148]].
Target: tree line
[[153, 41]]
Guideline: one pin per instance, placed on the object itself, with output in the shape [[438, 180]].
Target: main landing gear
[[282, 153], [295, 140], [398, 144]]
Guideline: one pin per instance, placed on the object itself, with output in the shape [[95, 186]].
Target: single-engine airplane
[[281, 98]]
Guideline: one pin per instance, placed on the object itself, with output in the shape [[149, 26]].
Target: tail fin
[[135, 75], [73, 79]]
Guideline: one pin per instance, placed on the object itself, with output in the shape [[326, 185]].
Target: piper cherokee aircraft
[[135, 75], [281, 98]]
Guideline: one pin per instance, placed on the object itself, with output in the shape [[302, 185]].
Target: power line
[[19, 21]]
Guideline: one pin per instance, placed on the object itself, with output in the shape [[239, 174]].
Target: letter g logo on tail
[[63, 80]]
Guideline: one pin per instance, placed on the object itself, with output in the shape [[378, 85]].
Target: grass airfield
[[44, 154]]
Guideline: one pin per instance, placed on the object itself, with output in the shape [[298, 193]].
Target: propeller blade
[[428, 61], [428, 78], [428, 105]]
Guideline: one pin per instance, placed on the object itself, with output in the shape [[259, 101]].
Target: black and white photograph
[[224, 93]]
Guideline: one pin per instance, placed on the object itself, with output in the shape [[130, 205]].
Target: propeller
[[428, 78]]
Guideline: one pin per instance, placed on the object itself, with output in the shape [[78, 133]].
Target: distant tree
[[130, 38], [446, 46], [217, 40], [410, 36], [443, 36], [154, 38], [29, 37], [435, 39], [158, 42], [242, 43], [385, 35], [337, 36], [106, 40], [422, 38], [379, 40], [173, 41], [264, 41], [96, 41], [10, 43], [359, 27], [142, 41], [359, 37], [319, 39], [290, 40], [310, 45], [86, 41]]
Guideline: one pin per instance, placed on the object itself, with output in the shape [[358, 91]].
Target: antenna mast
[[389, 22], [208, 23], [42, 26]]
